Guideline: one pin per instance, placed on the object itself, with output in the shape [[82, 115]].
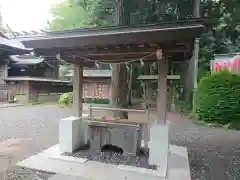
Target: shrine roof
[[151, 33], [12, 46]]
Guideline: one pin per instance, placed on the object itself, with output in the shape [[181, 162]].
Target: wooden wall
[[99, 90], [3, 75]]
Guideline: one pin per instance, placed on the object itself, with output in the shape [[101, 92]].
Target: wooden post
[[196, 14], [195, 67], [144, 94], [129, 98], [191, 75], [57, 66], [162, 91], [77, 89], [149, 92], [196, 8]]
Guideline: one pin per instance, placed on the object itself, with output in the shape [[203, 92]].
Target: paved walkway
[[214, 153]]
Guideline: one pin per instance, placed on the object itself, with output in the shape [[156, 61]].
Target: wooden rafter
[[115, 54]]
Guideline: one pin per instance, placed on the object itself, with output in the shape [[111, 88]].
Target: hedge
[[217, 98]]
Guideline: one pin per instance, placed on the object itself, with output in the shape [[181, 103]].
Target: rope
[[96, 61], [102, 62]]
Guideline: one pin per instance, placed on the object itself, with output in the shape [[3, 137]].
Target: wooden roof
[[115, 35], [36, 79], [118, 44]]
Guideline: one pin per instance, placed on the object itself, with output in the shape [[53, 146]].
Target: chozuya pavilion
[[144, 142]]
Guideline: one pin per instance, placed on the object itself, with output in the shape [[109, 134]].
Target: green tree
[[70, 15], [222, 34]]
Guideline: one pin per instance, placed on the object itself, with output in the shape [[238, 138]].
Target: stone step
[[64, 177]]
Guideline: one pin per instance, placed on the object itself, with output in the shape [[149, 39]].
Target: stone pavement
[[5, 105], [214, 153]]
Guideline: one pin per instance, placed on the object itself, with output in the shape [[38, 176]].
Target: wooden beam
[[129, 49], [162, 90], [139, 52], [77, 89], [111, 51], [122, 57]]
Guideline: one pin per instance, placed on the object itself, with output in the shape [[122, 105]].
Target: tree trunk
[[115, 85], [123, 99], [120, 74]]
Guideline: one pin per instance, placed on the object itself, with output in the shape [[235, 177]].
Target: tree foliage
[[69, 15], [222, 35]]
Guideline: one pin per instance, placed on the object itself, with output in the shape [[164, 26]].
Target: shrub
[[217, 98], [66, 99]]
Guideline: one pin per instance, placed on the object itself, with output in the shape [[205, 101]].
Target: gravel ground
[[214, 153], [17, 173], [112, 158]]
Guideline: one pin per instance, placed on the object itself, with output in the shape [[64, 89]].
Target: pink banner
[[232, 64]]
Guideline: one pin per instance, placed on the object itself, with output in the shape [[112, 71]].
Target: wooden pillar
[[196, 8], [162, 91], [196, 14], [129, 98], [148, 93], [144, 94], [77, 89], [191, 75], [57, 66], [195, 66], [33, 92]]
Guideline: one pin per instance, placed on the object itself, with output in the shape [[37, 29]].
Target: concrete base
[[178, 166], [159, 147], [72, 133]]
